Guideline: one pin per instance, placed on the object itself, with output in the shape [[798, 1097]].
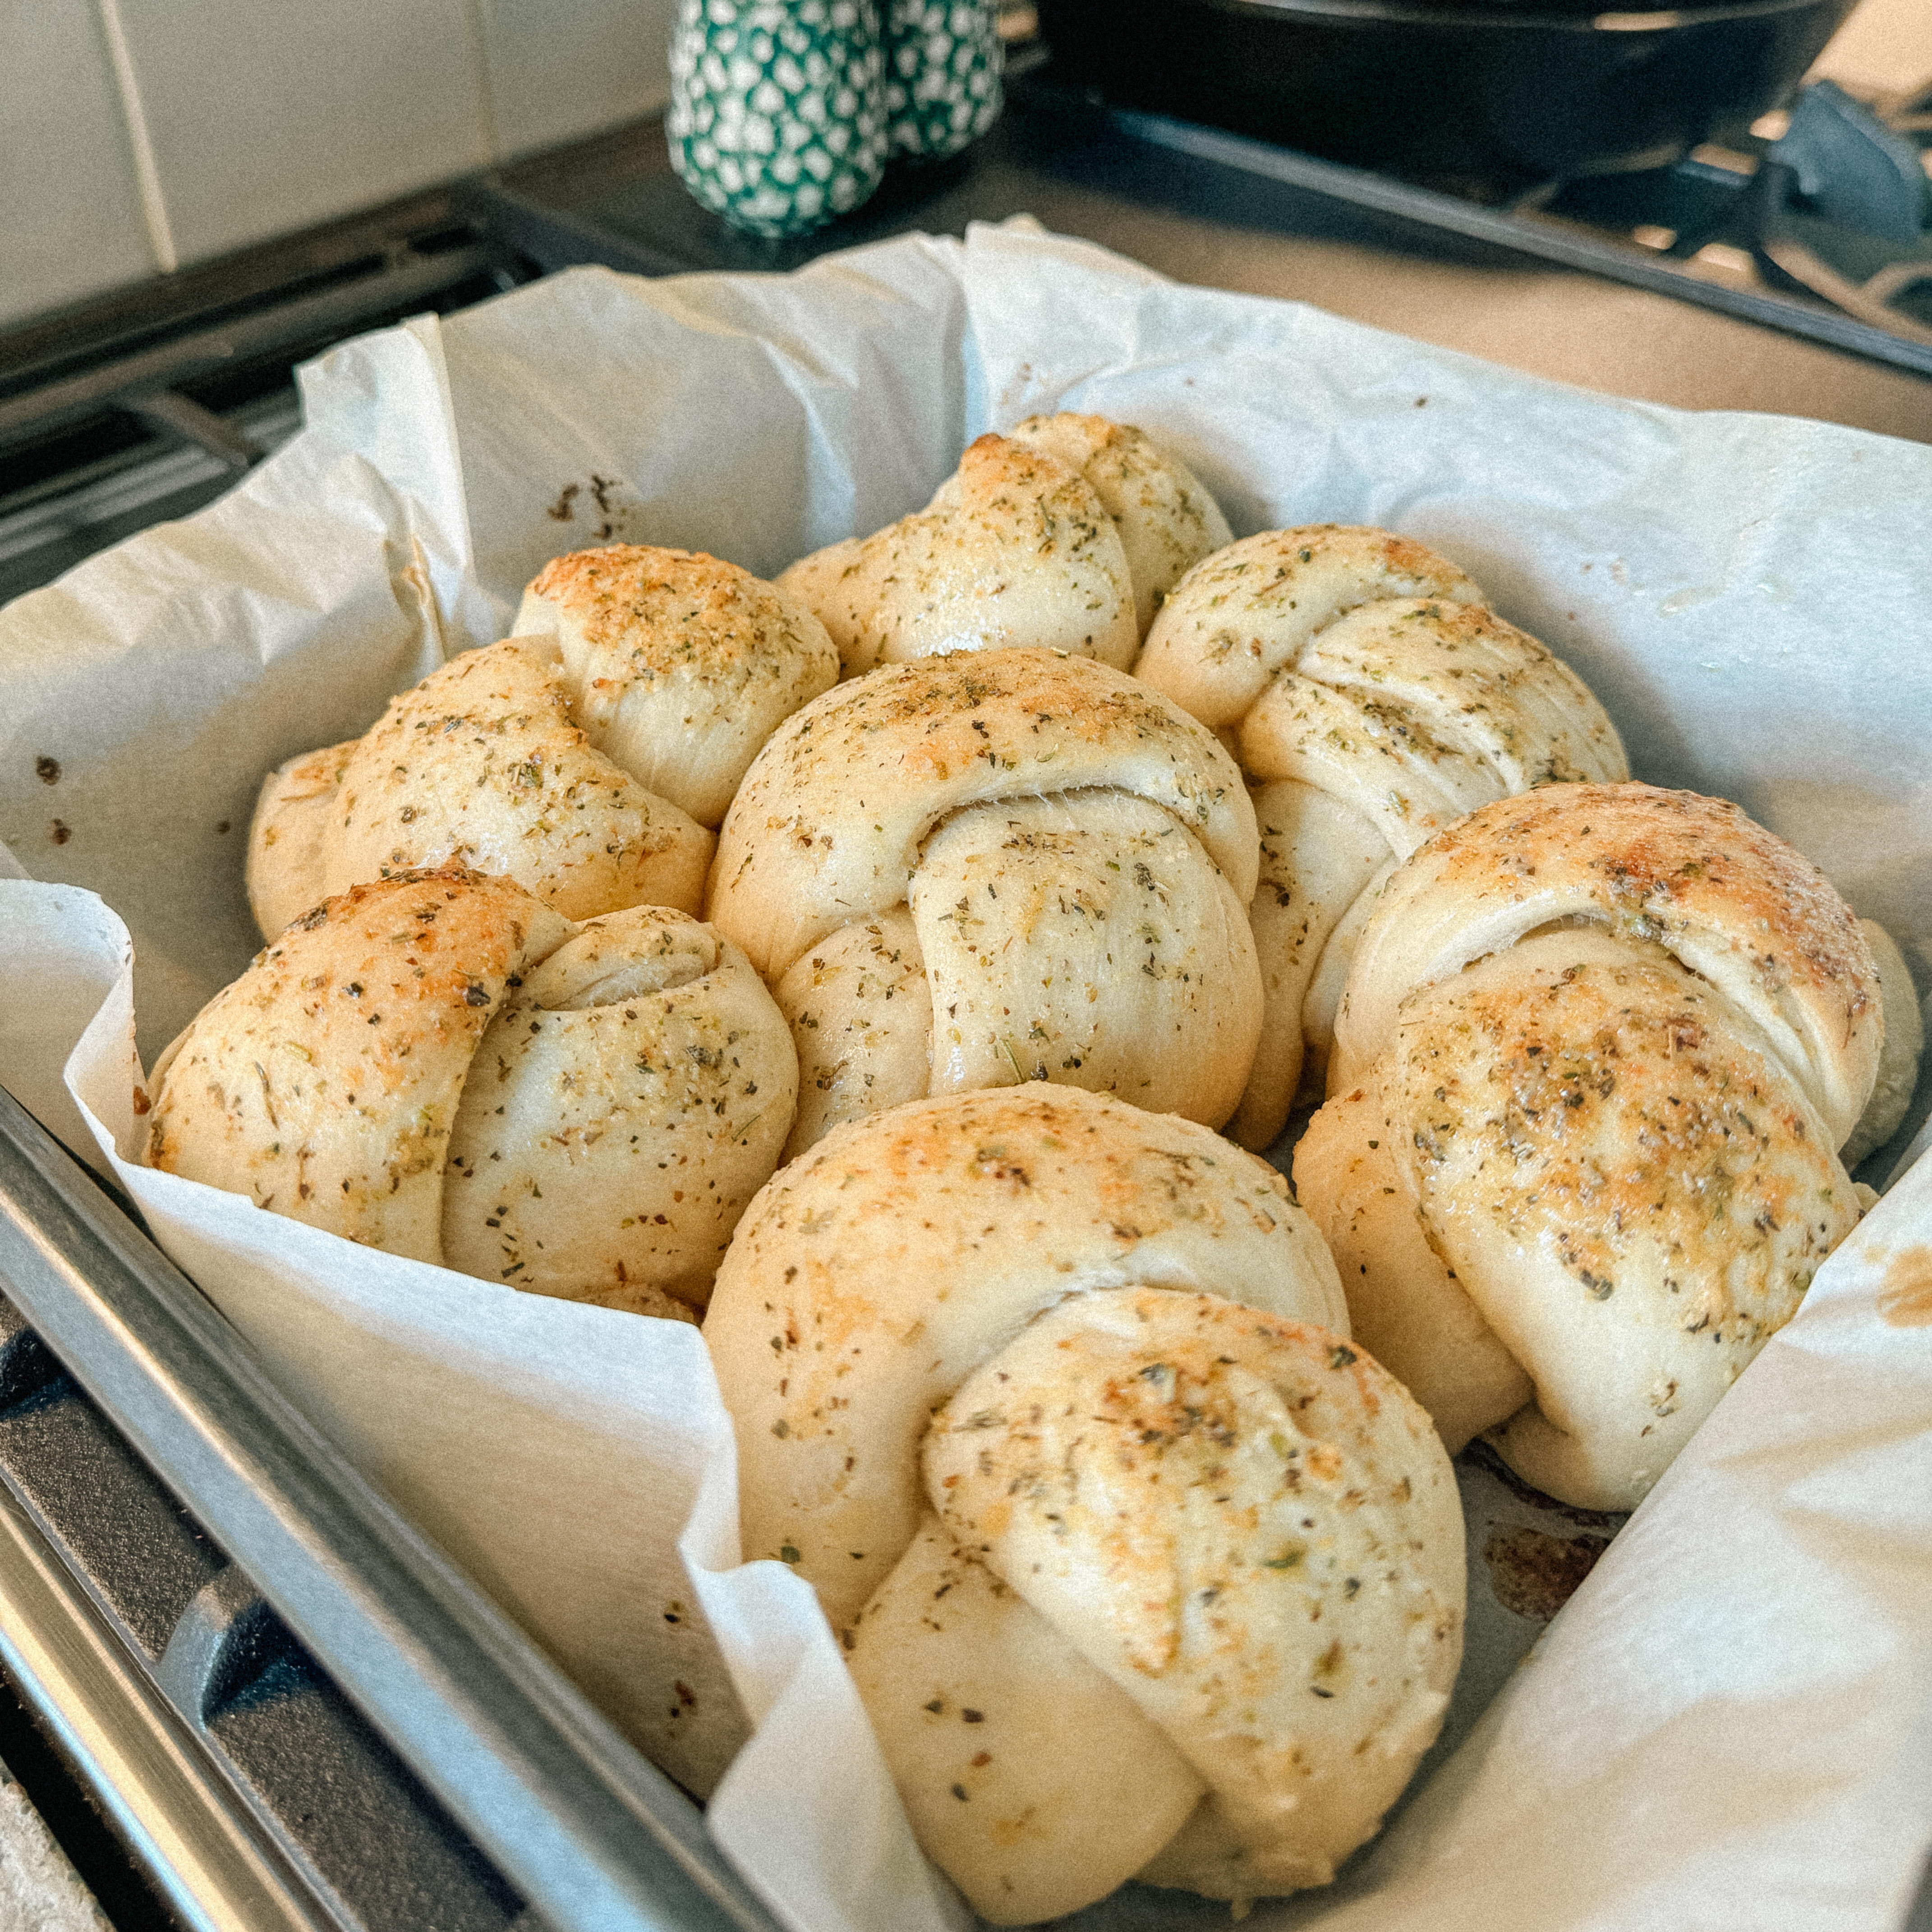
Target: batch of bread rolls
[[867, 964]]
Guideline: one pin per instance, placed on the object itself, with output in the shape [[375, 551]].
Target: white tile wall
[[70, 220], [262, 118], [267, 117], [562, 69]]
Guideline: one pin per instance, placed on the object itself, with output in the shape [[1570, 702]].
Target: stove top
[[1814, 225]]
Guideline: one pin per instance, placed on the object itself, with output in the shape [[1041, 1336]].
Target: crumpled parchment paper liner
[[557, 1451], [1729, 1725]]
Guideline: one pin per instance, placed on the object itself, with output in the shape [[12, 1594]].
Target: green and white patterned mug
[[942, 67], [777, 112]]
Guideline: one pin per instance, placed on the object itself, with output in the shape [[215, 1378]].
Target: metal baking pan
[[298, 1712], [299, 1715]]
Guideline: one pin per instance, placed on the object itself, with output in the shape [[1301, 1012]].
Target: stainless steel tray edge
[[592, 1835]]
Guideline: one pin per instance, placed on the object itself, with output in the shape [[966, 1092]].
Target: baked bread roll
[[1373, 700], [588, 758], [975, 870], [1141, 1567], [481, 765], [1167, 520], [679, 666], [1063, 535], [1598, 1045], [440, 1066]]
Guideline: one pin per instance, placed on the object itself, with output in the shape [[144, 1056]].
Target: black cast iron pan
[[1489, 90]]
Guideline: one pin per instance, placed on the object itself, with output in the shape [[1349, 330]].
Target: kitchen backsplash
[[137, 136]]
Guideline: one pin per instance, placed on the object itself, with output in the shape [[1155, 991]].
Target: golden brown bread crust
[[1167, 520], [1247, 611], [626, 1104], [1693, 875], [1088, 940], [481, 764], [584, 757], [665, 609], [680, 664], [323, 1083], [1418, 709], [860, 1252], [1248, 1528], [1609, 1118], [827, 825], [1015, 552], [1375, 700], [1062, 856], [439, 1066], [1598, 1046]]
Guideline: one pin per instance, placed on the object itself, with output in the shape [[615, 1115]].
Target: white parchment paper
[[1731, 1724]]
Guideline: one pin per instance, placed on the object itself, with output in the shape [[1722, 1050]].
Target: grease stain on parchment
[[1535, 1575], [1905, 1294]]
